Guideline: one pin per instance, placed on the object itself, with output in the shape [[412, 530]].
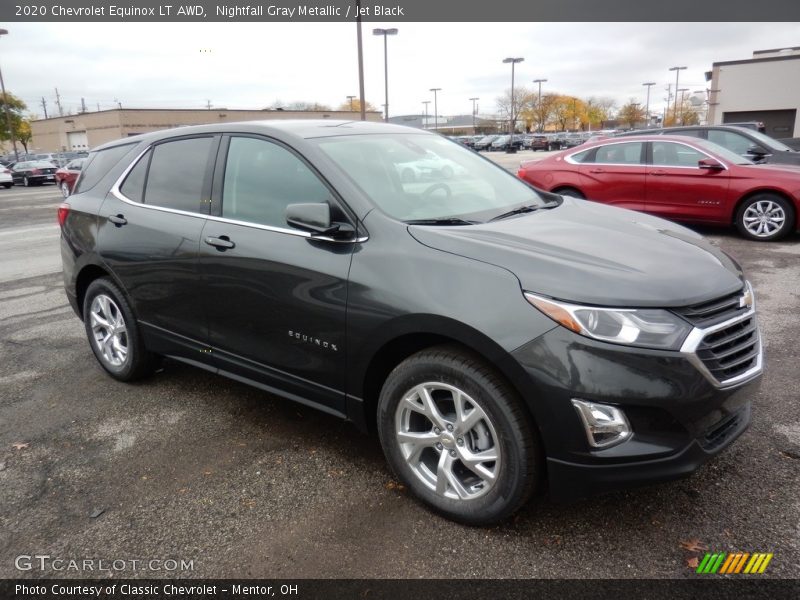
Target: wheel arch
[[89, 273], [410, 335]]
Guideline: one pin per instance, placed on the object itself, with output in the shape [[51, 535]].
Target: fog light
[[605, 425]]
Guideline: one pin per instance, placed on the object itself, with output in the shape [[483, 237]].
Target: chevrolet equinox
[[498, 338]]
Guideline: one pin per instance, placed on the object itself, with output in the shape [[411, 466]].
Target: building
[[455, 125], [87, 130], [763, 88]]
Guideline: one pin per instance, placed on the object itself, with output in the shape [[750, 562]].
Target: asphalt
[[190, 466]]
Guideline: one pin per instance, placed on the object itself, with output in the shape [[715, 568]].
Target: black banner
[[399, 10], [707, 588]]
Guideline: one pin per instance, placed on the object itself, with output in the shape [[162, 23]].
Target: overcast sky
[[243, 65]]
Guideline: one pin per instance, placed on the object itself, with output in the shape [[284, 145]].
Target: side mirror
[[757, 150], [710, 163], [315, 217]]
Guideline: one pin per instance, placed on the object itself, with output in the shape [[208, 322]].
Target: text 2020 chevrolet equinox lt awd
[[495, 336]]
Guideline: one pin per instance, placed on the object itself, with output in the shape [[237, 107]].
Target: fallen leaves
[[694, 545], [20, 445], [393, 485], [693, 562]]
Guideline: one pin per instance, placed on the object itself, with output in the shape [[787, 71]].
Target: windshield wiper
[[516, 211], [443, 221]]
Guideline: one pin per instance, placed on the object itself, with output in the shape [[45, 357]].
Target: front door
[[615, 174], [275, 298]]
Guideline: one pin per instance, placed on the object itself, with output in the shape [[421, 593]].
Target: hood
[[591, 253]]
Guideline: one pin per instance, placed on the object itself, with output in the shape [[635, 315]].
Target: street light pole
[[351, 98], [385, 33], [677, 76], [426, 102], [649, 84], [513, 62], [539, 104], [435, 108], [8, 113], [361, 96], [474, 112]]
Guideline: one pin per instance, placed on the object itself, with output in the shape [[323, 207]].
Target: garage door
[[779, 123], [77, 140]]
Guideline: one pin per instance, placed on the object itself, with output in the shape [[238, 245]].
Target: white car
[[430, 166], [5, 177]]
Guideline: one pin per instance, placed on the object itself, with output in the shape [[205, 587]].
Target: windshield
[[420, 176], [769, 142], [723, 153]]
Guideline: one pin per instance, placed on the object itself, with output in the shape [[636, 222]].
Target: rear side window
[[98, 165], [732, 141], [177, 172], [620, 154], [133, 186]]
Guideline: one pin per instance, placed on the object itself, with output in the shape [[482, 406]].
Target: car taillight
[[63, 211]]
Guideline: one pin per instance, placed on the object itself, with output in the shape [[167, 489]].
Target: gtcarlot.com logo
[[45, 562], [734, 563]]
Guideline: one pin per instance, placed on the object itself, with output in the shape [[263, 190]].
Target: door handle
[[658, 172], [118, 220], [221, 243], [597, 170]]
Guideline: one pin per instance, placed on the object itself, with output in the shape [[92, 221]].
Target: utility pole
[[208, 104], [44, 107], [677, 77], [98, 107], [649, 84], [426, 102], [58, 104], [83, 105], [361, 95]]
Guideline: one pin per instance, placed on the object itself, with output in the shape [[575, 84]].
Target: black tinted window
[[262, 178], [133, 186], [98, 164], [177, 172]]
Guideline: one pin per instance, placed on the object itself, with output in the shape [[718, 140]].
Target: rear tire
[[26, 182], [765, 217], [114, 334], [456, 433]]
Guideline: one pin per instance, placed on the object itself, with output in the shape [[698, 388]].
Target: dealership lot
[[189, 466]]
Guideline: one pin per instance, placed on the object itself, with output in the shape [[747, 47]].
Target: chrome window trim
[[568, 157], [117, 193]]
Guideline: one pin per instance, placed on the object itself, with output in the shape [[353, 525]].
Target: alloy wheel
[[763, 218], [448, 441], [109, 331]]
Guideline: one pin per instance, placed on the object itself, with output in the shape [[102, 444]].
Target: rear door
[[677, 188], [615, 174], [150, 227]]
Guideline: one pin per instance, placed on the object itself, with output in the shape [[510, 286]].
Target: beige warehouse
[[87, 130]]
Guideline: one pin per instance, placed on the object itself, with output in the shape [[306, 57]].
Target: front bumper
[[679, 416]]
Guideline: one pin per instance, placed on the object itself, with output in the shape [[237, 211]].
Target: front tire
[[113, 332], [765, 217], [457, 435], [570, 192]]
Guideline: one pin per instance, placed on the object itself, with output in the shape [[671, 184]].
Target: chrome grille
[[732, 350]]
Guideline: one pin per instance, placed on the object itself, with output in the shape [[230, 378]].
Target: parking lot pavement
[[510, 162], [191, 466]]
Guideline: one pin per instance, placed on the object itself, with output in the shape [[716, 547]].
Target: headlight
[[644, 327]]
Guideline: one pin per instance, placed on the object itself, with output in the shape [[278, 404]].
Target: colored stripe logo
[[734, 563]]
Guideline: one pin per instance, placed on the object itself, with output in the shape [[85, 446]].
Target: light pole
[[8, 114], [677, 77], [539, 104], [362, 99], [426, 102], [676, 99], [513, 62], [435, 108], [474, 112], [649, 84], [385, 33], [351, 98]]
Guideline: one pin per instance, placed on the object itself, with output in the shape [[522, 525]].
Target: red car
[[677, 178], [66, 175]]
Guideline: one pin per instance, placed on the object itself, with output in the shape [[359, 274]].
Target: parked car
[[495, 336], [750, 144], [570, 140], [33, 172], [539, 142], [427, 166], [504, 142], [66, 175], [485, 142], [5, 177], [679, 178]]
